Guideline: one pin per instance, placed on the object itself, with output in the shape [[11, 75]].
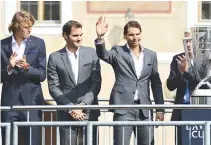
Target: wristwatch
[[100, 38]]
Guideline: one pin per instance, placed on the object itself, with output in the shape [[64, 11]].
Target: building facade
[[163, 24]]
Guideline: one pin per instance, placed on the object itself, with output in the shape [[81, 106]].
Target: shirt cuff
[[99, 41]]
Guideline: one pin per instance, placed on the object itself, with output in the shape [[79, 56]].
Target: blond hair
[[20, 17]]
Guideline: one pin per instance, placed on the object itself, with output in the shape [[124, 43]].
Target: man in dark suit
[[74, 78], [135, 67], [23, 67], [183, 78]]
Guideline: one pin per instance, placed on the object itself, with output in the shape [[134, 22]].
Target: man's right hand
[[12, 60], [183, 63], [101, 26]]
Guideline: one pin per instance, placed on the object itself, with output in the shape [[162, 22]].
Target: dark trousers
[[33, 138], [143, 134], [76, 135]]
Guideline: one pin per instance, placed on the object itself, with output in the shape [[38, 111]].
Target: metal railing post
[[207, 133], [15, 134], [8, 131], [57, 136], [89, 133]]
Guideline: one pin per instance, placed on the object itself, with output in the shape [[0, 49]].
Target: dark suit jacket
[[127, 82], [61, 82], [21, 83], [177, 80]]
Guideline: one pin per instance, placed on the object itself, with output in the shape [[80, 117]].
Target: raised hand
[[101, 26]]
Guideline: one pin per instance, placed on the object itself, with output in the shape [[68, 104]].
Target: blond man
[[23, 67]]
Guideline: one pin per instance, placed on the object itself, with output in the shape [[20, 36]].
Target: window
[[43, 11], [51, 10], [31, 7], [206, 10]]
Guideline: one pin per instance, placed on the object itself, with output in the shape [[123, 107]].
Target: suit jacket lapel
[[81, 63], [130, 60], [146, 59], [28, 46], [68, 65]]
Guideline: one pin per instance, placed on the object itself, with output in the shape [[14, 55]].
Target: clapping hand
[[12, 59], [21, 63], [183, 63]]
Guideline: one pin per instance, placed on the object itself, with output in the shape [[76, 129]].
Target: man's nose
[[79, 37], [30, 29]]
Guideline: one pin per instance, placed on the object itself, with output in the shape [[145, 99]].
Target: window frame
[[43, 28], [54, 21], [19, 5]]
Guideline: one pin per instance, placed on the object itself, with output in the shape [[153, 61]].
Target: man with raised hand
[[135, 67]]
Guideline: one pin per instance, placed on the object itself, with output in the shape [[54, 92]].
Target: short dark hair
[[131, 24], [69, 25]]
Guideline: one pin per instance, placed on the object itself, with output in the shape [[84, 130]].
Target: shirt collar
[[14, 41], [71, 53], [142, 48]]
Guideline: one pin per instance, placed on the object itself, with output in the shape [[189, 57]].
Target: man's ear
[[65, 36]]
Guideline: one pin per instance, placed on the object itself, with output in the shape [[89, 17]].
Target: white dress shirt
[[18, 49], [138, 62], [74, 60]]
